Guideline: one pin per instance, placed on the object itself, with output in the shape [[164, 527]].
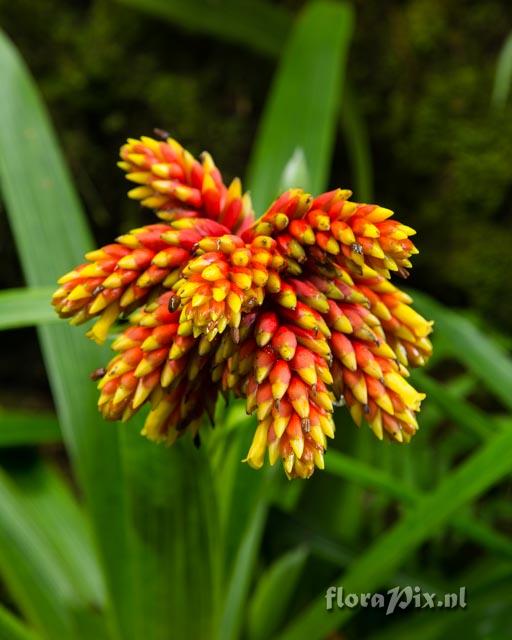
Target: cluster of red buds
[[294, 312]]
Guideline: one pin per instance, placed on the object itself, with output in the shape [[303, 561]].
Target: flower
[[294, 312]]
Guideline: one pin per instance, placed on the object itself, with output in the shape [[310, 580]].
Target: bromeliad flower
[[295, 312]]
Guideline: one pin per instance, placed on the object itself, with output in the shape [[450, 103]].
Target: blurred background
[[427, 132]]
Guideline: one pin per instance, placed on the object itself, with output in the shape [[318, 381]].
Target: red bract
[[294, 312]]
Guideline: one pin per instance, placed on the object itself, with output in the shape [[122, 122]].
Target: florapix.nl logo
[[401, 597]]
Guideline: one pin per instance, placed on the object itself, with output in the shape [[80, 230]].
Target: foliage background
[[422, 74]]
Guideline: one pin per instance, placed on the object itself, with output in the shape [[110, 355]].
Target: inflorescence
[[294, 312]]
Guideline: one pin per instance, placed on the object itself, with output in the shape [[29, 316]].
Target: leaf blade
[[25, 428], [30, 569], [469, 480], [273, 593], [26, 307], [314, 57], [249, 22], [503, 76], [51, 236], [486, 359], [12, 628]]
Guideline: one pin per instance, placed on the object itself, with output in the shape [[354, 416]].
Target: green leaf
[[51, 236], [152, 508], [26, 307], [347, 520], [253, 23], [487, 616], [30, 568], [365, 475], [273, 594], [362, 473], [469, 418], [482, 356], [26, 428], [243, 497], [63, 528], [237, 487], [173, 531], [12, 628], [370, 570], [358, 146], [302, 108], [265, 27], [503, 77], [45, 558], [239, 579]]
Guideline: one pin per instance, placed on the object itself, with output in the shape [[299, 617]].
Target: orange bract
[[294, 312]]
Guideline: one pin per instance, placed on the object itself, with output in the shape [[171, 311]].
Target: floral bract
[[295, 312]]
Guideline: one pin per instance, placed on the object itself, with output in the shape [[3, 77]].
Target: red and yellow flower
[[295, 312]]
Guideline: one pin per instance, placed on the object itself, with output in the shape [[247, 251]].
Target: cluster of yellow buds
[[294, 312]]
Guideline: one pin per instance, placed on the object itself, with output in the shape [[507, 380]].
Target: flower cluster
[[295, 312]]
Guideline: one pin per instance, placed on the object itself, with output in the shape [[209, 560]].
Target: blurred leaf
[[152, 508], [371, 569], [63, 528], [346, 519], [273, 594], [25, 428], [358, 146], [299, 531], [42, 551], [172, 525], [302, 107], [244, 497], [265, 28], [362, 473], [240, 576], [481, 355], [472, 420], [51, 236], [485, 572], [487, 616], [26, 307], [238, 488], [295, 173], [31, 569], [253, 23], [503, 77], [11, 628], [365, 475]]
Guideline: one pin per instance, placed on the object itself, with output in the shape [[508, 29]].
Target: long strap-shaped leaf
[[174, 549], [51, 235], [481, 355], [31, 570], [341, 465], [46, 555], [503, 77], [302, 109], [13, 629], [486, 467], [27, 428], [253, 23], [25, 307], [153, 509], [274, 593], [265, 28], [48, 499]]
